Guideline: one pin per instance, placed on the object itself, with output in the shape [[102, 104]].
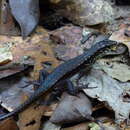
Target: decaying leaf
[[68, 34], [116, 70], [25, 52], [68, 39], [72, 108], [39, 50], [109, 82], [8, 124], [46, 55], [109, 90], [30, 119], [26, 14], [7, 24], [12, 89]]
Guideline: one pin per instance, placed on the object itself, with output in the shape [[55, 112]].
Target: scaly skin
[[67, 69]]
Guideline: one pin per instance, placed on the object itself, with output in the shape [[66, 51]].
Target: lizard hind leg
[[66, 85], [71, 89]]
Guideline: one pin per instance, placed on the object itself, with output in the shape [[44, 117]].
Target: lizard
[[65, 70]]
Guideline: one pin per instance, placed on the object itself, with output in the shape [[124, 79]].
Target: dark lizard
[[63, 71]]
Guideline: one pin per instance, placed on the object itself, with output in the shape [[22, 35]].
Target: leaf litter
[[107, 82]]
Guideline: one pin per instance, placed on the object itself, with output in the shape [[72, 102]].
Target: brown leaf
[[38, 49], [45, 55], [25, 51], [67, 35], [69, 38], [8, 124], [42, 52], [7, 23], [30, 119]]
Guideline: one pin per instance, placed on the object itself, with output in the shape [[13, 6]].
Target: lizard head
[[116, 49], [112, 48]]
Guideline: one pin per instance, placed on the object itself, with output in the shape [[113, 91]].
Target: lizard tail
[[28, 102], [2, 117]]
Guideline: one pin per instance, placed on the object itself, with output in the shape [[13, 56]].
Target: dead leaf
[[120, 36], [41, 51], [45, 55], [118, 71], [25, 51], [8, 124], [71, 109], [108, 90], [7, 23], [68, 40], [12, 89], [37, 48], [26, 14], [67, 35], [30, 119]]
